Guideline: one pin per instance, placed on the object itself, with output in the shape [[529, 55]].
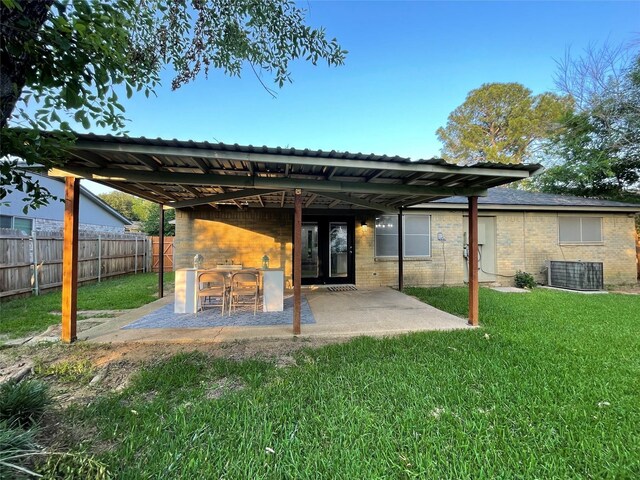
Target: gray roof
[[501, 196], [185, 173], [285, 151]]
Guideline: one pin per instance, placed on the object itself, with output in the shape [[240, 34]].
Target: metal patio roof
[[188, 173]]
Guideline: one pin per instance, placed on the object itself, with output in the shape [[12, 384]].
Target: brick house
[[332, 217], [518, 231]]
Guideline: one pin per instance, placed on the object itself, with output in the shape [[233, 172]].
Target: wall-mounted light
[[363, 223]]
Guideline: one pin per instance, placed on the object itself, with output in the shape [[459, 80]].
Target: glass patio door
[[338, 250], [327, 246], [310, 261]]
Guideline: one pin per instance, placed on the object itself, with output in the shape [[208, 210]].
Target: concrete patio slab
[[370, 312]]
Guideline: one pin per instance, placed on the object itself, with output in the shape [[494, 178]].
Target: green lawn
[[32, 314], [549, 388]]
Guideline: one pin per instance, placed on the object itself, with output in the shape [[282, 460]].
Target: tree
[[500, 122], [151, 225], [134, 208], [596, 153], [74, 59]]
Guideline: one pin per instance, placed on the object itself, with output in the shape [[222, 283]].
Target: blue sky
[[409, 65]]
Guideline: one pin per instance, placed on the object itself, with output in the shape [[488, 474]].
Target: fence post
[[99, 258], [135, 262], [36, 285]]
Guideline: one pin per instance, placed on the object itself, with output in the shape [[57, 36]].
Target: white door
[[487, 265]]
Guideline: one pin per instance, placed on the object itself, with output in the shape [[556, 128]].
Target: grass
[[24, 316], [549, 388]]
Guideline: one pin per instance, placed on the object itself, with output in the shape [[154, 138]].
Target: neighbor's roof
[[510, 198], [98, 201], [188, 173]]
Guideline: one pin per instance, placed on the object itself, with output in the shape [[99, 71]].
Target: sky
[[409, 65]]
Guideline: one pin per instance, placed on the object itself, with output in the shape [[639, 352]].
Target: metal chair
[[245, 290], [213, 284]]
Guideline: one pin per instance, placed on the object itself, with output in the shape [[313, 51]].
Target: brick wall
[[230, 234], [524, 241], [48, 225]]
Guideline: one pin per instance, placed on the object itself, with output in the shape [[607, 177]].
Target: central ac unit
[[584, 276]]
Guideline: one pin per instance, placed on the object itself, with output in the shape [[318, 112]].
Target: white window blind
[[580, 229], [416, 236]]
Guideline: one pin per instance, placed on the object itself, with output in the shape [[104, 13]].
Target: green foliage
[[525, 396], [73, 466], [16, 448], [132, 207], [151, 225], [22, 403], [524, 280], [23, 316], [596, 153], [500, 122], [76, 371], [73, 61]]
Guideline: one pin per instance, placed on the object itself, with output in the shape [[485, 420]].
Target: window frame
[[581, 231], [12, 219], [404, 240]]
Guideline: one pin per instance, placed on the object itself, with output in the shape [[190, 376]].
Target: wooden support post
[[297, 260], [99, 258], [473, 261], [36, 282], [161, 254], [70, 259], [400, 251]]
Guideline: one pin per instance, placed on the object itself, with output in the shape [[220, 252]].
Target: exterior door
[[487, 264], [327, 250]]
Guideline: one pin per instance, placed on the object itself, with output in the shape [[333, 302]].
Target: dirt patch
[[113, 365], [223, 386], [628, 289]]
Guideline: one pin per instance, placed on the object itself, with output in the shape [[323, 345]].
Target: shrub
[[524, 280], [16, 447], [22, 403]]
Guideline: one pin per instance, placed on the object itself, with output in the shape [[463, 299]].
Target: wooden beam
[[334, 203], [161, 254], [312, 197], [284, 194], [374, 176], [133, 190], [70, 259], [400, 251], [297, 261], [161, 192], [383, 164], [361, 202], [260, 200], [473, 261], [171, 178], [221, 197]]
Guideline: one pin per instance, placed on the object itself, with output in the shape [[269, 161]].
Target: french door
[[327, 250]]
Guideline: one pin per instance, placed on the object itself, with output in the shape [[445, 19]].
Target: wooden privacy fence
[[31, 264], [168, 254]]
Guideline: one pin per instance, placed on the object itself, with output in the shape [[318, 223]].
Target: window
[[23, 224], [580, 229], [416, 233]]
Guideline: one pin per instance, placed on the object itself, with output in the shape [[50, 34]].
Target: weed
[[67, 370], [22, 403]]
